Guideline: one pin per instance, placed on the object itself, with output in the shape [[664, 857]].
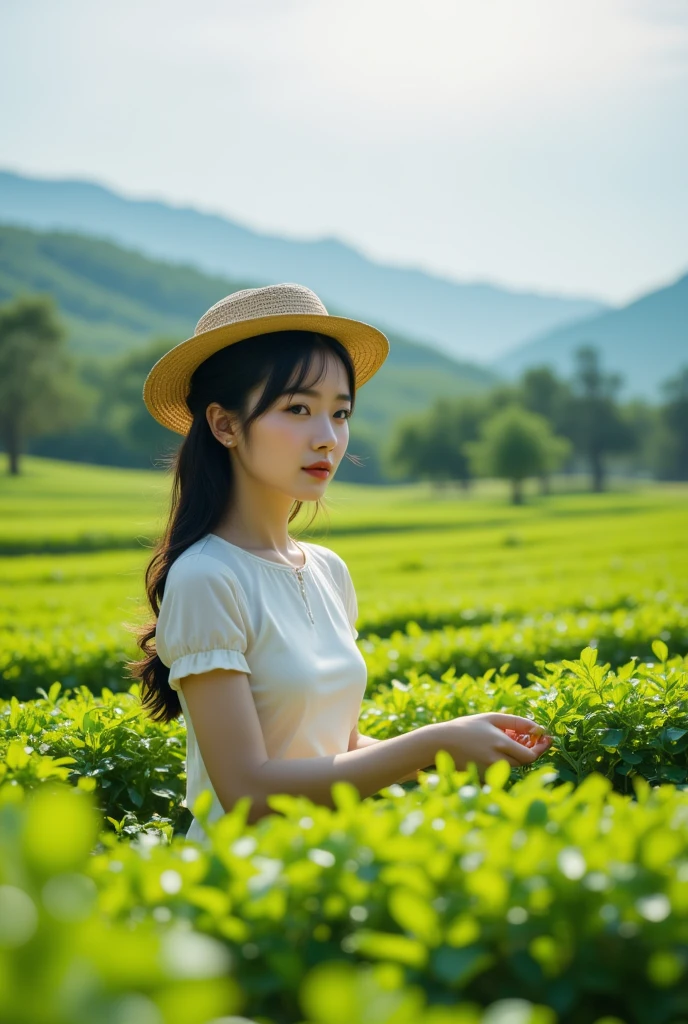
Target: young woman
[[255, 634]]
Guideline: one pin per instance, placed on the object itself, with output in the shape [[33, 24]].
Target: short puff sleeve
[[201, 624]]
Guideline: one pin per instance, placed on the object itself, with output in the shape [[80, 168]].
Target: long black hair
[[203, 474]]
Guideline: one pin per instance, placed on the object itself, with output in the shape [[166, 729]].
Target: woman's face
[[298, 430]]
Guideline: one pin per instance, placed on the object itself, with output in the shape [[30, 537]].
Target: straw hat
[[252, 311]]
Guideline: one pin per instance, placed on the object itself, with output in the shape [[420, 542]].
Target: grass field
[[405, 546]]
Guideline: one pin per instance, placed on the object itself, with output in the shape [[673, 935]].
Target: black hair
[[203, 472]]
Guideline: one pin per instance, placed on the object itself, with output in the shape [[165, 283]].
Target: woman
[[255, 634]]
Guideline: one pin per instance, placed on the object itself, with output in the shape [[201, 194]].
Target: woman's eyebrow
[[313, 391]]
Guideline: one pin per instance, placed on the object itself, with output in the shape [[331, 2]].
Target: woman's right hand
[[481, 738]]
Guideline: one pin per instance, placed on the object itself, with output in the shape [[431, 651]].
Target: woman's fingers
[[525, 755], [516, 722], [511, 748], [527, 749]]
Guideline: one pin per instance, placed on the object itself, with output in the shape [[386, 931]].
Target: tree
[[542, 392], [674, 419], [515, 444], [451, 423], [430, 447], [124, 411], [594, 421], [645, 424], [39, 391], [405, 454]]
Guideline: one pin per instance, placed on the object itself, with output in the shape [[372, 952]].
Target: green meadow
[[75, 540]]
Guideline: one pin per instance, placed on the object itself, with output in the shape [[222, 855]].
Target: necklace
[[299, 576]]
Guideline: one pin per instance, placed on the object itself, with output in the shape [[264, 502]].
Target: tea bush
[[137, 764], [62, 961], [618, 636], [632, 721], [465, 896], [29, 661]]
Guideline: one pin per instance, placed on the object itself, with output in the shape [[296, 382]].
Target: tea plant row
[[618, 723], [81, 657]]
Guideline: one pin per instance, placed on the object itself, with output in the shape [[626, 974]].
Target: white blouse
[[292, 631]]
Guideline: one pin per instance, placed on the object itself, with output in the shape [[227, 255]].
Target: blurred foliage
[[62, 959], [565, 904]]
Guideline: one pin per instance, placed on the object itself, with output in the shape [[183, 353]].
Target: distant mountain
[[114, 301], [467, 321], [646, 342], [111, 300]]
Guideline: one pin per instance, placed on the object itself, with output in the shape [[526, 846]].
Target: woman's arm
[[233, 749], [356, 742]]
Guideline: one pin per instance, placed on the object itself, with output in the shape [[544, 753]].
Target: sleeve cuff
[[206, 661]]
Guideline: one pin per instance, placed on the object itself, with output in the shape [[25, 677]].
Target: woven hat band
[[254, 303]]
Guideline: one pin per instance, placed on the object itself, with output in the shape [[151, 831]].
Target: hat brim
[[167, 385]]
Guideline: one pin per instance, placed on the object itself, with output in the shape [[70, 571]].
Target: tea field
[[556, 894]]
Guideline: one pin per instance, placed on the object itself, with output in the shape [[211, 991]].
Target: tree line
[[543, 424], [539, 426]]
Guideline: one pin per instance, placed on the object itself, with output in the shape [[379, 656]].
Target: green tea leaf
[[498, 774], [612, 738], [660, 650]]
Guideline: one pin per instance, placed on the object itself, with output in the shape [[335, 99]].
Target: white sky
[[530, 143]]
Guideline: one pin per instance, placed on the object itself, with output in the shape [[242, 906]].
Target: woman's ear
[[221, 424]]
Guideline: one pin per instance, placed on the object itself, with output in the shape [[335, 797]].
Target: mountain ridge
[[471, 321], [645, 341], [115, 301]]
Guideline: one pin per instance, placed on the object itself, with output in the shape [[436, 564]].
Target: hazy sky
[[536, 144]]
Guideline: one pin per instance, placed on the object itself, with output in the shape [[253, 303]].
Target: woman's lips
[[321, 474]]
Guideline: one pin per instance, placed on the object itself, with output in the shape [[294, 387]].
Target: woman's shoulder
[[201, 560], [324, 555], [201, 580]]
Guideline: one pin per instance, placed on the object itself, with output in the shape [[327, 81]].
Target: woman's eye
[[347, 412]]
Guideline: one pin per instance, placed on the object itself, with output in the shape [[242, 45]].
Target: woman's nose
[[327, 435]]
